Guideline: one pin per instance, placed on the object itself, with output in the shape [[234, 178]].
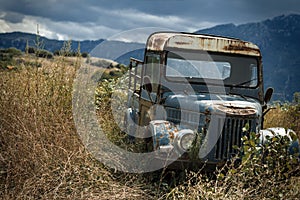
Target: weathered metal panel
[[162, 41], [156, 41], [231, 136]]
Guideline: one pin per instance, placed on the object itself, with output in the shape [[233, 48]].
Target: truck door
[[134, 85], [150, 84]]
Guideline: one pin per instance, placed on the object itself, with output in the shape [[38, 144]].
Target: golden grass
[[42, 157], [287, 116]]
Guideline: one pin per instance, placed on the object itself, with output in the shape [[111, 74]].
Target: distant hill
[[279, 41], [114, 50], [119, 51], [19, 40]]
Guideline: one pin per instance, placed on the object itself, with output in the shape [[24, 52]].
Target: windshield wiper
[[240, 84], [243, 83]]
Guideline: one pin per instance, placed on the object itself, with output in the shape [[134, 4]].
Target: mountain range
[[19, 40], [278, 39]]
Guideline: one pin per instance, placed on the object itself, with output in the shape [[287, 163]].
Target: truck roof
[[160, 41]]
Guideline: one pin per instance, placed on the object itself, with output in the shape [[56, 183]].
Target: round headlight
[[184, 140]]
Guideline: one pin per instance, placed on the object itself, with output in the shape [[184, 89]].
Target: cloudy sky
[[95, 19]]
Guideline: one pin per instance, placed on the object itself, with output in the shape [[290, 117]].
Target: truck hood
[[229, 104]]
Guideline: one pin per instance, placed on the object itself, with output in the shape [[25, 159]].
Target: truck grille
[[231, 134], [194, 120]]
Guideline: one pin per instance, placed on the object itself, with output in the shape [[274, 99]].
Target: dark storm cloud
[[64, 10], [95, 10], [210, 10], [110, 16], [13, 17]]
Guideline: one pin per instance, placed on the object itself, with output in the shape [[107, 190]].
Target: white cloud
[[58, 30], [26, 26], [119, 21]]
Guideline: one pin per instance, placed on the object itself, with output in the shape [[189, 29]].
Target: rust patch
[[164, 40], [182, 43], [240, 47], [235, 110], [157, 43]]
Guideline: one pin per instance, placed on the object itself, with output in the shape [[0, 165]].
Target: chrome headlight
[[184, 140]]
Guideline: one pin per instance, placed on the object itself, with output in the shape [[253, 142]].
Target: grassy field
[[42, 157]]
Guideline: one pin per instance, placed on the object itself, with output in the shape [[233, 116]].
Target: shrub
[[56, 52], [85, 54], [285, 115], [14, 52], [44, 54], [31, 50], [7, 57]]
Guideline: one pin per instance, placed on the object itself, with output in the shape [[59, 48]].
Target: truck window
[[152, 70], [199, 67]]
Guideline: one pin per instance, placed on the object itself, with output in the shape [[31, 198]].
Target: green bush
[[85, 54], [14, 52], [7, 57], [31, 50], [44, 54], [9, 53]]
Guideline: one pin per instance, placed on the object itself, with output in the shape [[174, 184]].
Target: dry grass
[[287, 116], [42, 157]]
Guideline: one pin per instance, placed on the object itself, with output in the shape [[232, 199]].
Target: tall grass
[[42, 157], [286, 115]]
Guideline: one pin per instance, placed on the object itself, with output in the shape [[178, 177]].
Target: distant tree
[[4, 56], [73, 54], [56, 52], [296, 97], [85, 54], [44, 54], [14, 52], [7, 57], [31, 50]]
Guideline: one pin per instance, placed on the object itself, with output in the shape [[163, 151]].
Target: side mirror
[[268, 95]]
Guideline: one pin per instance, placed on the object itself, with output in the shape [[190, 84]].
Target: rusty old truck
[[196, 86]]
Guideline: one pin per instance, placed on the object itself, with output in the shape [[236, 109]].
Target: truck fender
[[294, 146]]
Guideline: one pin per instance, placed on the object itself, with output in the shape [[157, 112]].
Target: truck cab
[[196, 87]]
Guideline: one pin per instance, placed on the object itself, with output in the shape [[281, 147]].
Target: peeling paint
[[163, 41], [237, 110]]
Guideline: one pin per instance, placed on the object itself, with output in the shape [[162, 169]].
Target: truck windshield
[[212, 68]]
